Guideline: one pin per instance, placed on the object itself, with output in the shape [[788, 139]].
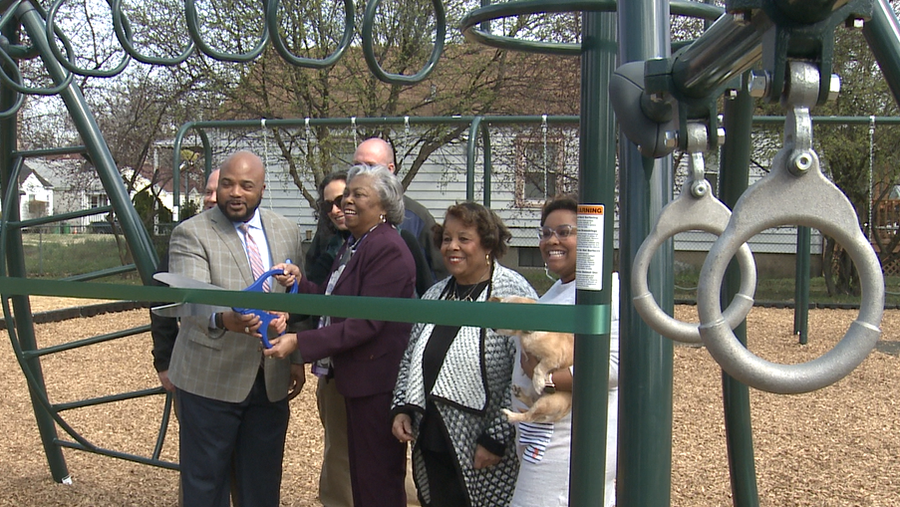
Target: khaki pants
[[334, 481]]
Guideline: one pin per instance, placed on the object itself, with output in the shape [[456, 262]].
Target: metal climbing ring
[[519, 8], [310, 63], [193, 23], [369, 46], [809, 200], [689, 213], [67, 61], [123, 33], [15, 81], [20, 98]]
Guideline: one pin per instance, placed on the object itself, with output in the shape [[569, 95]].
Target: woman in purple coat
[[365, 354]]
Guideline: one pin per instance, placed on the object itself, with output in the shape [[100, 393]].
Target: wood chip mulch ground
[[839, 446]]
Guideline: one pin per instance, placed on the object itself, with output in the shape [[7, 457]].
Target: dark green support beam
[[597, 175], [801, 289], [15, 266], [882, 33], [645, 365], [734, 171]]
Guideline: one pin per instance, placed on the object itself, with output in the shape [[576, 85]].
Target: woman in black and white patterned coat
[[455, 379]]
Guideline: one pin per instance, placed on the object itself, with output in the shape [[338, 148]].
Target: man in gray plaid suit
[[231, 402]]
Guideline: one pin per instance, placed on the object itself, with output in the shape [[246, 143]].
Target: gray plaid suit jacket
[[214, 363]]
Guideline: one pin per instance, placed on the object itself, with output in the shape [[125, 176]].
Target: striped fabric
[[535, 437], [256, 265]]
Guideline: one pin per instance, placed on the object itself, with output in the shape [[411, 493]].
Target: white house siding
[[35, 190], [441, 182]]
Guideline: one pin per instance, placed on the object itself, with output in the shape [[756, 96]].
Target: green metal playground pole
[[801, 289], [597, 175], [136, 235], [645, 365], [488, 164], [15, 258], [734, 171], [471, 150], [882, 33]]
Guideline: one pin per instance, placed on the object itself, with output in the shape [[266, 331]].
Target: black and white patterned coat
[[472, 386]]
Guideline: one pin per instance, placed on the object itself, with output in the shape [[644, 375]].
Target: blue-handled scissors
[[185, 309], [265, 317]]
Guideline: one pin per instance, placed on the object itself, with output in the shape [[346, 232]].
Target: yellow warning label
[[590, 209]]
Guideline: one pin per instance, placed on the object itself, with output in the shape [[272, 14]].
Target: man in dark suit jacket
[[231, 402]]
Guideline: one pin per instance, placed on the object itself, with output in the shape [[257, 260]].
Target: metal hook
[[262, 123], [406, 137], [545, 168]]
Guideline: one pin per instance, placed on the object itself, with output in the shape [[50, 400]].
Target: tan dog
[[553, 351]]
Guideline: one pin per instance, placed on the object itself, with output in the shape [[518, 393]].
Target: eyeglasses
[[329, 205], [561, 232]]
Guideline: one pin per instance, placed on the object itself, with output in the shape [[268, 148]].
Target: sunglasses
[[329, 205], [561, 232]]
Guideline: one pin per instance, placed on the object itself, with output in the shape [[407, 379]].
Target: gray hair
[[388, 187]]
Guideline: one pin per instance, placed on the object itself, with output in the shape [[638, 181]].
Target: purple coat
[[365, 353]]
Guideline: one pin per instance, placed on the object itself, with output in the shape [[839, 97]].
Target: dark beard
[[223, 207]]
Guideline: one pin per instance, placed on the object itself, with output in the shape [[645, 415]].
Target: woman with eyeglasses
[[454, 380], [544, 447]]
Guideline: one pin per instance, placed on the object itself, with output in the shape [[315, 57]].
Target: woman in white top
[[543, 478]]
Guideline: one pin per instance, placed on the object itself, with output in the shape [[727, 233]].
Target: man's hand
[[247, 323], [164, 380], [298, 378]]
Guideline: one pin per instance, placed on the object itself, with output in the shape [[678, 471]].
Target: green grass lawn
[[767, 289], [63, 255], [782, 290]]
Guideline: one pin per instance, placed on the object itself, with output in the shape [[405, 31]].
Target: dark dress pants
[[212, 432], [377, 459]]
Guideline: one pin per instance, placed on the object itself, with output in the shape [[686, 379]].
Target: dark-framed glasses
[[329, 205], [562, 232]]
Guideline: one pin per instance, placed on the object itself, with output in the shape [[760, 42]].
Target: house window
[[530, 257], [539, 170], [99, 201]]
